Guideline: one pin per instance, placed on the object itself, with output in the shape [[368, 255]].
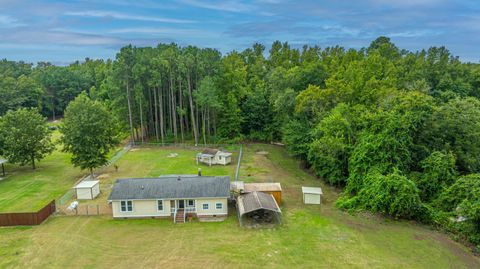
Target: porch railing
[[191, 209], [174, 212]]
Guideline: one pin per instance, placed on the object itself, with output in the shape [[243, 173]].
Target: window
[[126, 206], [191, 203], [218, 205], [160, 205], [205, 206]]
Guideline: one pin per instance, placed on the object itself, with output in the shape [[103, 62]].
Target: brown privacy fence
[[30, 218]]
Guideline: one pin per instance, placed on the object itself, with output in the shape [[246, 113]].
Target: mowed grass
[[311, 236], [28, 190]]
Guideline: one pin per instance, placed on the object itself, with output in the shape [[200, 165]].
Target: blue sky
[[64, 31]]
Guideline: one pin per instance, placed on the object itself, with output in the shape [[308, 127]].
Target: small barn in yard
[[273, 188], [255, 208], [87, 189], [312, 195], [214, 156]]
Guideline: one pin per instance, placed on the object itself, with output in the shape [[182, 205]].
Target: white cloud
[[408, 3], [166, 30], [9, 22], [231, 6], [122, 16], [415, 33], [57, 37]]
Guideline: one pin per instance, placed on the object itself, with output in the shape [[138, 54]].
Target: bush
[[438, 173], [462, 199], [394, 195], [327, 156]]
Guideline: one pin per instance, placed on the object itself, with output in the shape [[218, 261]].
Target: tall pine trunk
[[141, 121], [155, 119], [180, 101], [174, 109], [203, 127], [130, 113], [162, 124], [192, 112]]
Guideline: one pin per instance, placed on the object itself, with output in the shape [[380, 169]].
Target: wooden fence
[[85, 210], [30, 218]]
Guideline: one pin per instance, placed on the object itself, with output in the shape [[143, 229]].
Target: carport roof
[[255, 200]]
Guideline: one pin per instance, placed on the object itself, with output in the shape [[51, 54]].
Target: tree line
[[398, 130]]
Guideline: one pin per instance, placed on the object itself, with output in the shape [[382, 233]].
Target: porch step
[[180, 218]]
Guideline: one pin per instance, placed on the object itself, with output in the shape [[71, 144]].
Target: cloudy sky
[[64, 31]]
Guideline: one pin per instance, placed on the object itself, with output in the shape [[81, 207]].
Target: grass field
[[311, 236], [26, 190]]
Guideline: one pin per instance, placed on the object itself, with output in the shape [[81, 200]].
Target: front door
[[181, 204]]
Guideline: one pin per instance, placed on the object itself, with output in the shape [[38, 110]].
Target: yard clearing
[[312, 236]]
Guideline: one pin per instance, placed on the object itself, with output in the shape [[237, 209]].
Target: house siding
[[148, 208], [142, 208], [212, 208]]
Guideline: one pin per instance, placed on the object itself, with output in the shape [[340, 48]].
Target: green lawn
[[25, 190], [311, 236]]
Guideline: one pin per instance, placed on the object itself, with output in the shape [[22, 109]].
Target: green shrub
[[438, 173], [394, 195]]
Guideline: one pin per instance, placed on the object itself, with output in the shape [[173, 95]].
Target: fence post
[[238, 163], [98, 210], [87, 210]]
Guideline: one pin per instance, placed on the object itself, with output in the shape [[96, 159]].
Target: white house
[[87, 189], [178, 197], [214, 156], [312, 195]]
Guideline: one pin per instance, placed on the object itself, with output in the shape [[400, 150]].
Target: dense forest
[[398, 130]]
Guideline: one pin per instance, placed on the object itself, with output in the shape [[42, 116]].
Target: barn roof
[[86, 184], [210, 151], [266, 187], [166, 187], [253, 201], [312, 190]]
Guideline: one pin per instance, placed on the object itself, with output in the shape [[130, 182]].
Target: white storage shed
[[312, 195], [87, 189]]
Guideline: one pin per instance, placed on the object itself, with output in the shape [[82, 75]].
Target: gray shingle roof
[[256, 200], [170, 187], [209, 151]]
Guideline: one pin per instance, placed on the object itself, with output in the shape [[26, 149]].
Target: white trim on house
[[189, 198], [126, 206], [149, 208], [141, 216], [163, 206]]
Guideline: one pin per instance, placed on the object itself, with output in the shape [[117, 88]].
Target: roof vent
[[178, 178], [142, 187]]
